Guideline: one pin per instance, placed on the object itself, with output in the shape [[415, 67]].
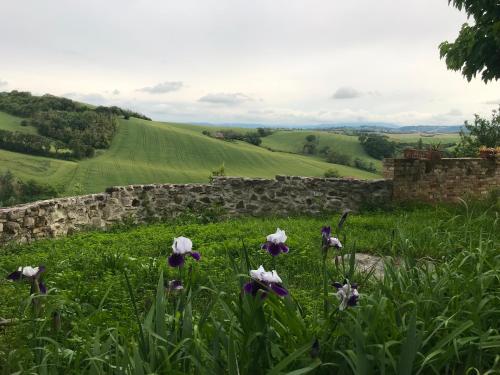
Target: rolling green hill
[[13, 124], [426, 138], [154, 152], [293, 141]]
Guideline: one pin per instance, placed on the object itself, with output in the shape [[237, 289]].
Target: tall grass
[[436, 311]]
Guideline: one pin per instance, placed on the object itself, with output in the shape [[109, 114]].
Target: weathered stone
[[370, 263], [11, 227], [413, 179], [442, 180], [28, 222]]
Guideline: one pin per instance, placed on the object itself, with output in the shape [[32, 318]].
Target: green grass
[[437, 312], [293, 141], [53, 171], [426, 138], [13, 124], [153, 152]]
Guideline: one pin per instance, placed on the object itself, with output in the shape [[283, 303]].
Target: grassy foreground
[[108, 312], [153, 152]]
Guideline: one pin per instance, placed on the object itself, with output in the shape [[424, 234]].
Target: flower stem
[[325, 286]]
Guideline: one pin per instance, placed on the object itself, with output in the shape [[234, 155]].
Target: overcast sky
[[259, 61]]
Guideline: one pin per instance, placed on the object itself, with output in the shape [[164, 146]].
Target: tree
[[481, 133], [377, 146], [311, 138], [477, 47]]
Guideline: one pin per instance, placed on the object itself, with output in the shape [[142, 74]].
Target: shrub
[[377, 146], [332, 173], [338, 158]]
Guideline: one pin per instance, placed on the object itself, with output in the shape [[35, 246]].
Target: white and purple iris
[[181, 247], [347, 294], [275, 244], [265, 281], [33, 275], [328, 240]]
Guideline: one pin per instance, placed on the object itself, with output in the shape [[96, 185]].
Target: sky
[[238, 61]]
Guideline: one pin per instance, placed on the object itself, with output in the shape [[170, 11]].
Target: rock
[[370, 263], [12, 227]]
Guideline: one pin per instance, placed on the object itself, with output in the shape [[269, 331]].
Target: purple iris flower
[[275, 244], [181, 247], [328, 240], [347, 294], [266, 282], [33, 275]]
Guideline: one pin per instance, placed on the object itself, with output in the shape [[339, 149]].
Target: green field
[[13, 124], [426, 138], [436, 311], [293, 141], [154, 152]]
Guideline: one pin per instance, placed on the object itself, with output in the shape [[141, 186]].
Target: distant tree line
[[81, 132], [23, 104], [254, 138], [15, 191], [66, 129], [311, 145], [26, 143]]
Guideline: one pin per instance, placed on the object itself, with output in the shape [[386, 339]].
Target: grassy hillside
[[293, 141], [426, 138], [149, 152], [12, 123]]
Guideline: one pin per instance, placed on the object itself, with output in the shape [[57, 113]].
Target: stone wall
[[442, 180], [141, 203]]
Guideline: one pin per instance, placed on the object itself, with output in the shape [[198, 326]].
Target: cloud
[[455, 112], [115, 92], [162, 88], [3, 83], [95, 99], [346, 93], [493, 102], [226, 98]]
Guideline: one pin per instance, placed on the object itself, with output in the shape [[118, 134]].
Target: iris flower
[[32, 274], [328, 240], [347, 294], [265, 281], [181, 247], [275, 244]]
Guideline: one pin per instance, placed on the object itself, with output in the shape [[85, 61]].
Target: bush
[[377, 146], [15, 191], [361, 164], [338, 158], [332, 173], [481, 133]]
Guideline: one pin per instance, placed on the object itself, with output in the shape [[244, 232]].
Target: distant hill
[[379, 127], [154, 152]]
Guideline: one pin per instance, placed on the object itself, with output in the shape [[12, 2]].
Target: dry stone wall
[[442, 180], [142, 203]]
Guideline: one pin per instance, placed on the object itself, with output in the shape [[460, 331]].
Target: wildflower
[[275, 244], [181, 247], [347, 294], [175, 285], [328, 240], [265, 281], [33, 275]]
